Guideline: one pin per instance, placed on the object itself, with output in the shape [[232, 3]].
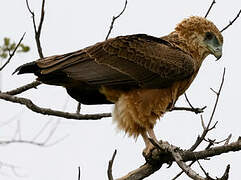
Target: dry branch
[[208, 128], [78, 173], [24, 88], [209, 9], [158, 158], [37, 31], [45, 111], [231, 22], [191, 109], [109, 170], [113, 20], [195, 110], [12, 54]]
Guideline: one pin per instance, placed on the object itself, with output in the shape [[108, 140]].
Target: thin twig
[[203, 170], [109, 171], [189, 103], [13, 141], [113, 20], [179, 174], [195, 110], [45, 111], [231, 22], [79, 173], [41, 130], [192, 109], [228, 139], [12, 54], [209, 9], [226, 173], [78, 108], [51, 133], [37, 31], [207, 129], [213, 141]]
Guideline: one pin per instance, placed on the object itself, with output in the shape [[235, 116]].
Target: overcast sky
[[74, 24]]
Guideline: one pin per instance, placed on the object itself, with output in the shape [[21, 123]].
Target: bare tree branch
[[78, 173], [45, 111], [179, 174], [209, 9], [179, 157], [113, 20], [109, 170], [37, 31], [20, 141], [17, 136], [158, 158], [78, 108], [195, 110], [192, 109], [24, 88], [207, 129], [12, 54], [231, 22]]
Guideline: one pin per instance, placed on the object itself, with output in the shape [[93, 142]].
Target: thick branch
[[158, 158], [45, 111]]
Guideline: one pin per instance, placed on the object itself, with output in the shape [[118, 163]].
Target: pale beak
[[217, 52]]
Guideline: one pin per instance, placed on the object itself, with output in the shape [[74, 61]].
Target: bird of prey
[[141, 74]]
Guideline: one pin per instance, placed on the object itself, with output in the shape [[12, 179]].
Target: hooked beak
[[216, 51]]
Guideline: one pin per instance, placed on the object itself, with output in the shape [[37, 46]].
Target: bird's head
[[201, 34]]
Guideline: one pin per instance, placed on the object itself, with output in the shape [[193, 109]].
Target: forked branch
[[113, 20], [158, 158], [11, 54], [37, 31]]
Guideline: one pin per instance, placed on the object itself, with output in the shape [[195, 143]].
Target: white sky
[[74, 24]]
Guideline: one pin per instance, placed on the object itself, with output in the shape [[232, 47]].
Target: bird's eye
[[208, 36]]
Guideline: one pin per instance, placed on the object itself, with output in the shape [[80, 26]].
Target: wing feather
[[126, 61]]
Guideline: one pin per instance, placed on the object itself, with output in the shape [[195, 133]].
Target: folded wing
[[122, 63]]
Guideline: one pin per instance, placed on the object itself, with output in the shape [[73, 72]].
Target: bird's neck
[[189, 46]]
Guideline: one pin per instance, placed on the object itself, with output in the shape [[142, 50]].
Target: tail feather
[[27, 68]]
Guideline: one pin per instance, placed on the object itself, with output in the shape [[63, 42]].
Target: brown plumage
[[143, 75]]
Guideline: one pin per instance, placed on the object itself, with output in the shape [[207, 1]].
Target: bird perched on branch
[[141, 74]]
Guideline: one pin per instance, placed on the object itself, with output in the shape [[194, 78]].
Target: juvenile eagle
[[141, 74]]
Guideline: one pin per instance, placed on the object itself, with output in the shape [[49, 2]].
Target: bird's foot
[[147, 151], [161, 145]]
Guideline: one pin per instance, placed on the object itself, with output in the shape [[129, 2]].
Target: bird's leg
[[146, 135], [152, 135], [149, 145]]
